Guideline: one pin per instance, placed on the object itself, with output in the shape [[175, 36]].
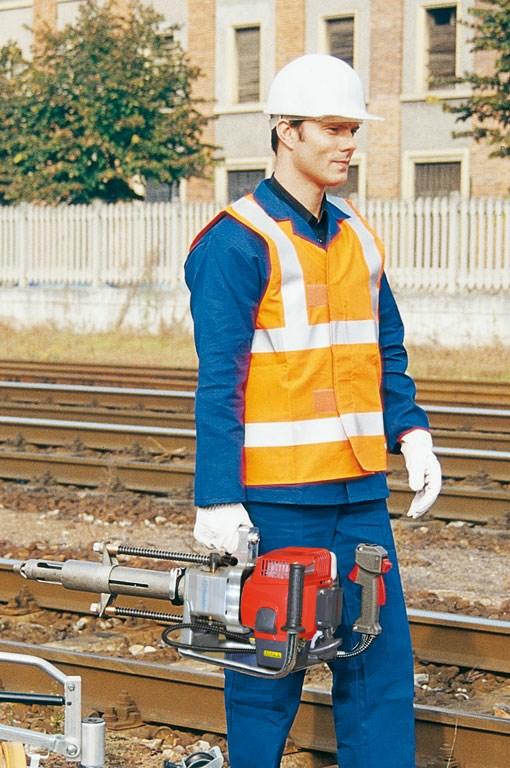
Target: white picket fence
[[437, 245]]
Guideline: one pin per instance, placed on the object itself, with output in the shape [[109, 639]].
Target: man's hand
[[423, 469], [217, 526]]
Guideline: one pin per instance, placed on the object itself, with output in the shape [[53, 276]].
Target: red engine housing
[[264, 595]]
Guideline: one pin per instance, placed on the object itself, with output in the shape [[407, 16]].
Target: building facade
[[408, 53]]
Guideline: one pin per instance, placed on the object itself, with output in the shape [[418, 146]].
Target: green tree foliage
[[104, 103], [489, 104]]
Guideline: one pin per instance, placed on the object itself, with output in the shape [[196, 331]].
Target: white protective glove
[[217, 526], [423, 469]]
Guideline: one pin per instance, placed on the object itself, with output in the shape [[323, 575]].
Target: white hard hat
[[318, 85]]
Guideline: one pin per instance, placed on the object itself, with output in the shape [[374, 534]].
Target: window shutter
[[248, 64], [340, 38], [435, 179], [441, 23]]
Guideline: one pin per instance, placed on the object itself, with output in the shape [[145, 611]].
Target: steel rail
[[456, 462], [468, 417], [176, 419], [98, 389], [93, 471], [439, 637], [462, 462], [471, 503], [140, 416], [168, 694], [96, 434], [437, 391], [463, 388], [118, 397], [467, 641], [441, 416]]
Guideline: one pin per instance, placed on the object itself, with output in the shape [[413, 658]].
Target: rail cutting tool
[[265, 616]]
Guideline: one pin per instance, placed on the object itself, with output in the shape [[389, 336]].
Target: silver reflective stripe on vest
[[297, 334], [368, 246], [318, 336], [293, 284], [313, 431]]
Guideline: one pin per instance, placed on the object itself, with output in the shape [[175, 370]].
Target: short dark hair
[[274, 134]]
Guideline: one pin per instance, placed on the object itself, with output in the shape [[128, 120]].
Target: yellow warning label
[[273, 654]]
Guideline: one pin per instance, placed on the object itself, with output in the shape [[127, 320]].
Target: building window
[[351, 187], [442, 46], [242, 182], [340, 38], [247, 44], [436, 179]]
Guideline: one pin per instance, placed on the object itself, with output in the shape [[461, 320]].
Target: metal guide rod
[[184, 393], [464, 410], [472, 453], [98, 426]]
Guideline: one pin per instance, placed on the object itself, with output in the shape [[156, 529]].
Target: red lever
[[381, 586]]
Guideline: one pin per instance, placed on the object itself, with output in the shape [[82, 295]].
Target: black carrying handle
[[295, 599], [47, 699]]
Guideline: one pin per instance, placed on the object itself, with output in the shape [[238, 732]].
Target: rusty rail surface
[[470, 455], [168, 694]]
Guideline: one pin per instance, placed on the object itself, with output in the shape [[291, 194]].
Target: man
[[301, 387]]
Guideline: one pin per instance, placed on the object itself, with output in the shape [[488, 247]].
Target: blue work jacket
[[227, 271]]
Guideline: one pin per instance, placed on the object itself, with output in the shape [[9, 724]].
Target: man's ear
[[287, 134]]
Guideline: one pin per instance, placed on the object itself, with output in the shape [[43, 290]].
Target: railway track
[[150, 450], [167, 693], [466, 453], [159, 417], [468, 502], [175, 408], [487, 428], [429, 390]]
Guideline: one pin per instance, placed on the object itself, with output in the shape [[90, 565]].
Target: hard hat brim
[[359, 118]]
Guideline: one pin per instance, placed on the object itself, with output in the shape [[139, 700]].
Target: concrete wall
[[449, 321]]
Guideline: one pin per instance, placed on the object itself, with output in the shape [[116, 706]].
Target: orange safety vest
[[312, 402]]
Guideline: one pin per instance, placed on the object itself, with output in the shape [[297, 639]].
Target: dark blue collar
[[280, 209]]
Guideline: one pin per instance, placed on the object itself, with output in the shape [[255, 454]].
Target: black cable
[[165, 636]]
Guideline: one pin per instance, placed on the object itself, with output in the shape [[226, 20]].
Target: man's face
[[323, 149]]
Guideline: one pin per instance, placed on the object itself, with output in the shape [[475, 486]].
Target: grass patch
[[174, 347], [466, 364]]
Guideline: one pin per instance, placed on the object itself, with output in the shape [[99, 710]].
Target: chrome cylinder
[[92, 742]]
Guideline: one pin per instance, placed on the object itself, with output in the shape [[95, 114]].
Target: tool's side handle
[[371, 563], [295, 598]]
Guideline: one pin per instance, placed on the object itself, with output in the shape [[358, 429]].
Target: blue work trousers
[[372, 693]]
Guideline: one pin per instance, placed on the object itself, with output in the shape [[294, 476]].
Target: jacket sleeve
[[401, 414], [226, 273]]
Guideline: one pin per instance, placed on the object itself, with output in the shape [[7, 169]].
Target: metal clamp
[[82, 739]]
